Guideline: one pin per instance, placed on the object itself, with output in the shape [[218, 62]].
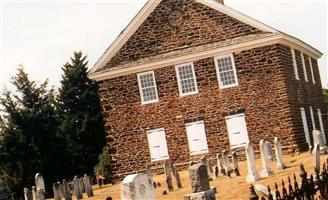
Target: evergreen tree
[[28, 133], [79, 113]]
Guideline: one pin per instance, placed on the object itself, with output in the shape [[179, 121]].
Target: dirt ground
[[234, 188]]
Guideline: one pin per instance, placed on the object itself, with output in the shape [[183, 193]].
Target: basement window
[[147, 87], [186, 79], [226, 71]]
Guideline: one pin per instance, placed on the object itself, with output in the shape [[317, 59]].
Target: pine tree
[[79, 113]]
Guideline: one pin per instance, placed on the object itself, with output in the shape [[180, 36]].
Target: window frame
[[311, 69], [218, 72], [179, 79], [143, 102], [304, 68], [295, 67]]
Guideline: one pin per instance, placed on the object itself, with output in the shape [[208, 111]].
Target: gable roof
[[151, 5]]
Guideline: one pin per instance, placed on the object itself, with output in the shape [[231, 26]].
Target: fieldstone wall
[[176, 25], [266, 94]]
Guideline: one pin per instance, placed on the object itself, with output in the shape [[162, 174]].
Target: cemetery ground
[[227, 188]]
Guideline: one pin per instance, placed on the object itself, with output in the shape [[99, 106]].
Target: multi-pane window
[[226, 71], [147, 87], [295, 64], [311, 69], [186, 79], [304, 68]]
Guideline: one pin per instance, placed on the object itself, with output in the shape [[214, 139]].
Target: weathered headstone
[[278, 151], [252, 174], [177, 179], [40, 188], [81, 185], [270, 152], [57, 191], [266, 168], [226, 162], [167, 168], [27, 194], [66, 190], [210, 167], [136, 186], [4, 192], [318, 138], [169, 183], [87, 185], [220, 164], [34, 196], [316, 157], [148, 172], [77, 188], [235, 163]]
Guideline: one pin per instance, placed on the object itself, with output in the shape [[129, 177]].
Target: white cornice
[[275, 39]]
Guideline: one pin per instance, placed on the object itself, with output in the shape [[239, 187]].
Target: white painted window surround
[[305, 126], [311, 69], [237, 130], [226, 71], [304, 68], [196, 138], [186, 79], [321, 125], [147, 87], [157, 144], [312, 118], [295, 64]]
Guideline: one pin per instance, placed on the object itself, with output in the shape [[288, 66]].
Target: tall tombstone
[[226, 162], [66, 190], [278, 152], [169, 183], [210, 167], [81, 185], [167, 168], [235, 163], [87, 185], [266, 168], [77, 188], [34, 196], [316, 158], [27, 194], [136, 187], [40, 188], [148, 172], [177, 179], [219, 160], [252, 174], [318, 138], [57, 191], [270, 152]]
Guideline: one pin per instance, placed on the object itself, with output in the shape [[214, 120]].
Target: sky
[[42, 35]]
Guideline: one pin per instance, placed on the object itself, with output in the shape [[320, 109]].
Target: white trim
[[305, 126], [195, 123], [312, 118], [275, 39], [311, 69], [321, 125], [304, 67], [148, 8], [294, 64], [179, 79], [237, 15], [143, 102], [218, 73]]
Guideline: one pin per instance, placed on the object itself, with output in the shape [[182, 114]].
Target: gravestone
[[169, 183], [34, 196], [270, 152], [177, 179], [226, 162], [39, 185], [4, 192], [81, 185], [318, 138], [77, 188], [316, 157], [220, 167], [87, 185], [57, 191], [148, 172], [210, 167], [235, 163], [167, 168], [266, 168], [252, 174], [137, 186], [66, 190], [27, 194], [278, 151]]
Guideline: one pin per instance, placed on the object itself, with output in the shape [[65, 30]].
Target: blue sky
[[42, 35]]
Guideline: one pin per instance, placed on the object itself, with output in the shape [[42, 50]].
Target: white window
[[295, 64], [147, 87], [157, 144], [312, 118], [226, 71], [186, 79], [305, 126], [321, 125], [304, 68], [311, 69], [196, 138], [237, 130]]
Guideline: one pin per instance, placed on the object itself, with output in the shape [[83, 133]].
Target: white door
[[321, 125], [196, 138], [305, 126], [237, 130], [157, 144]]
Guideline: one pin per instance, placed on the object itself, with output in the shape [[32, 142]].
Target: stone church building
[[193, 77]]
